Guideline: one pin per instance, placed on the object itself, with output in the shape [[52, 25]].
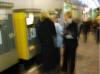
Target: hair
[[53, 18], [44, 14], [68, 14]]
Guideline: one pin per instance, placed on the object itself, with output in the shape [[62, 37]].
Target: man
[[70, 43], [98, 28]]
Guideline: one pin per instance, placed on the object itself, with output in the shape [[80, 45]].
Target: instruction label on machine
[[0, 38]]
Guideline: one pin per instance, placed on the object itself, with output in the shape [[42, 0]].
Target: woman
[[46, 34], [70, 43], [59, 31]]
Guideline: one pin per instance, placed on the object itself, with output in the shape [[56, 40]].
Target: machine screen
[[31, 30], [30, 19]]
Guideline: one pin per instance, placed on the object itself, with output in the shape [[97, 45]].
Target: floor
[[87, 58]]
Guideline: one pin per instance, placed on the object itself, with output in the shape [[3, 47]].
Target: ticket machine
[[8, 54], [27, 43]]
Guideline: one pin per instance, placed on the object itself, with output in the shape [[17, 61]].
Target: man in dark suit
[[70, 43], [98, 29], [86, 28]]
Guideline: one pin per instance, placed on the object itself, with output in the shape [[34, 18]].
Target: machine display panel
[[30, 19]]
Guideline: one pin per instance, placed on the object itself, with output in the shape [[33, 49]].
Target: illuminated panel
[[30, 19], [97, 3], [90, 3]]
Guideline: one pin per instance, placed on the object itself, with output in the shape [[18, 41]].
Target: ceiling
[[90, 3]]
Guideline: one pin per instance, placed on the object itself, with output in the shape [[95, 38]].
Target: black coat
[[70, 45], [46, 32], [72, 28], [46, 29]]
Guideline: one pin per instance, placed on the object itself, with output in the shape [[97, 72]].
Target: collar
[[70, 21]]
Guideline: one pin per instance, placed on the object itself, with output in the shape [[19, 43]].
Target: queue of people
[[55, 39], [87, 26]]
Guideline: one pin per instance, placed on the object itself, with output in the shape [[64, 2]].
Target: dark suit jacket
[[72, 29]]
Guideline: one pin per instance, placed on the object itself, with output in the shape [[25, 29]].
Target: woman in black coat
[[70, 44], [46, 34]]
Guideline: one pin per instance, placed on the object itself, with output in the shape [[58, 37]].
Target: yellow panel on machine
[[21, 35], [27, 43]]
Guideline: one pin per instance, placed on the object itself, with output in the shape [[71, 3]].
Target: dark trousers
[[70, 46], [49, 55], [85, 36], [58, 56], [98, 36]]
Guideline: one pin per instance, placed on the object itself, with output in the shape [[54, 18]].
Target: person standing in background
[[70, 43], [46, 33], [98, 29], [86, 28]]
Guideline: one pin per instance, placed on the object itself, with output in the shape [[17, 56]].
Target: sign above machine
[[28, 10]]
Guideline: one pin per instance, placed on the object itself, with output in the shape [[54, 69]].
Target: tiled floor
[[87, 58]]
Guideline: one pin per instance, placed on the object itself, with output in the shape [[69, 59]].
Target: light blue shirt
[[59, 31]]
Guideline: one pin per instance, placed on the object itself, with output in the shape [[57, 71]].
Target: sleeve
[[59, 28], [52, 29], [76, 30]]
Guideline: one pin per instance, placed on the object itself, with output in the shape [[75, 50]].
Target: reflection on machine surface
[[7, 40]]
